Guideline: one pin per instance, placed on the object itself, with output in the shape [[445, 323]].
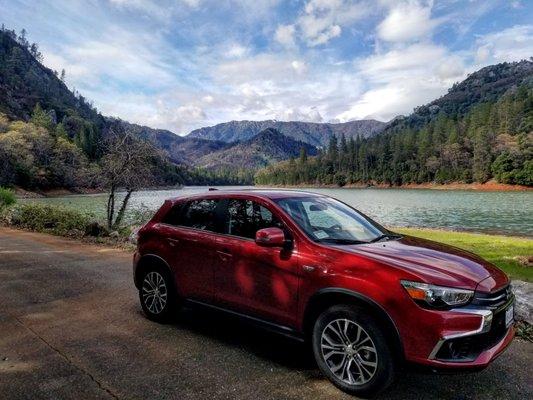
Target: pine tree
[[303, 155], [22, 38], [481, 157], [40, 118]]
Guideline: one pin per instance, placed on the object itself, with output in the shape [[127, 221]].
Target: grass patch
[[503, 251]]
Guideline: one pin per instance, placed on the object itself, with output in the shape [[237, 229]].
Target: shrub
[[96, 229], [53, 219], [7, 198]]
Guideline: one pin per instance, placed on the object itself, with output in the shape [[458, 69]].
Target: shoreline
[[50, 193], [490, 186]]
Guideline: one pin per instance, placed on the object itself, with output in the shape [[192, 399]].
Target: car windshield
[[327, 220]]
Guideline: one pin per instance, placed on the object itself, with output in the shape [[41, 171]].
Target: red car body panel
[[278, 284]]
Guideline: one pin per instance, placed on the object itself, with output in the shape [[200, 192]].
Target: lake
[[508, 213]]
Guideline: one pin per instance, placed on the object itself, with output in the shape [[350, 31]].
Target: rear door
[[190, 235], [257, 280]]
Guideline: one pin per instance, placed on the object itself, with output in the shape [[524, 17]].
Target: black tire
[[354, 359], [153, 308]]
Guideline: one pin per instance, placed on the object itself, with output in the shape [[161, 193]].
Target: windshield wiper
[[385, 236], [341, 241]]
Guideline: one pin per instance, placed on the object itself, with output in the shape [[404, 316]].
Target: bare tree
[[128, 163]]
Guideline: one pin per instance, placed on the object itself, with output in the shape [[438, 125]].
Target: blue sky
[[184, 64]]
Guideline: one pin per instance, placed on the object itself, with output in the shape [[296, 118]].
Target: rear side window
[[200, 214], [245, 217], [173, 217]]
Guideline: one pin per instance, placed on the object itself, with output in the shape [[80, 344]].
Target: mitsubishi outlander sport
[[367, 299]]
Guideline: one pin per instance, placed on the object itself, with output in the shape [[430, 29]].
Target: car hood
[[434, 263]]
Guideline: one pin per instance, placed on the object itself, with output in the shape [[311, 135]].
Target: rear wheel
[[158, 295], [351, 350]]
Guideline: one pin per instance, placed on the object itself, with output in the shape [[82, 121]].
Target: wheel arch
[[145, 262], [325, 298]]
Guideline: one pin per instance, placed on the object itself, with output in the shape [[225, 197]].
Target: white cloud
[[402, 79], [451, 67], [323, 20], [208, 99], [407, 21], [192, 3], [262, 68], [297, 114], [189, 112], [237, 51], [285, 35], [149, 7], [117, 57], [402, 63], [299, 66], [512, 44]]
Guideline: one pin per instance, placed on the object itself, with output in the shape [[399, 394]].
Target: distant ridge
[[314, 133]]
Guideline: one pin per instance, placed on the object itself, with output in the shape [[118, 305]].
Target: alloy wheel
[[349, 352], [154, 292]]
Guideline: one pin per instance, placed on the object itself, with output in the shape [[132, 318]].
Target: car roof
[[272, 194]]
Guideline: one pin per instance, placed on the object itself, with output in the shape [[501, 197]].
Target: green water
[[509, 213]]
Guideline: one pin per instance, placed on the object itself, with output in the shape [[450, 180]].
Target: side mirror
[[270, 237]]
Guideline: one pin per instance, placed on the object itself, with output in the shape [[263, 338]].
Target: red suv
[[314, 268]]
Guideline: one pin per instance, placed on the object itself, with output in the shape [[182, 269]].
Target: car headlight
[[434, 296]]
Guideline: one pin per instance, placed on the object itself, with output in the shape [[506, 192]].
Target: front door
[[258, 280]]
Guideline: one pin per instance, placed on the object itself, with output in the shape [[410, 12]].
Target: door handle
[[173, 242], [308, 268]]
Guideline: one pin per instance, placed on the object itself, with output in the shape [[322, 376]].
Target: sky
[[185, 64]]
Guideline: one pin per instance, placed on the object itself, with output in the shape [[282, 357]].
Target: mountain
[[482, 129], [265, 148], [262, 149], [316, 134], [486, 85]]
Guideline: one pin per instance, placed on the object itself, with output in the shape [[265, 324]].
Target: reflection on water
[[492, 212]]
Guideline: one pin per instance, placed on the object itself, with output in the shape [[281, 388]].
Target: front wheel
[[351, 350], [157, 295]]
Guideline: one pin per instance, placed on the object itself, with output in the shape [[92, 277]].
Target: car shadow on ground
[[411, 383]]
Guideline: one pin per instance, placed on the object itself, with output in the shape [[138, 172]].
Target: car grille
[[492, 300]]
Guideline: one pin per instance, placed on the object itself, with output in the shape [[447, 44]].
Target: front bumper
[[483, 359], [463, 338]]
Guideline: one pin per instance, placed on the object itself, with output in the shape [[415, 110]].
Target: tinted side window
[[246, 217], [200, 214], [173, 216]]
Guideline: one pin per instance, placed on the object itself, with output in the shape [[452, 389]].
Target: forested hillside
[[482, 129], [39, 155]]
